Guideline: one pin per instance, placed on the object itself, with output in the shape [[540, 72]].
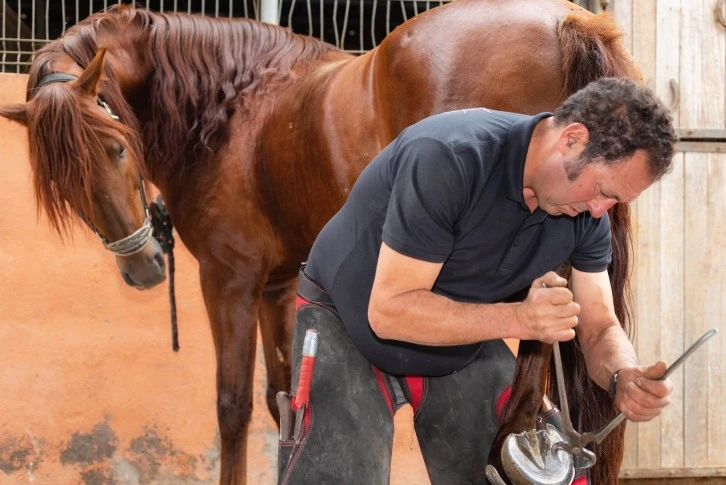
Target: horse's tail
[[591, 49]]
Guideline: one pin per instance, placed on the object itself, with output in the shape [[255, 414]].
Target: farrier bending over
[[445, 246]]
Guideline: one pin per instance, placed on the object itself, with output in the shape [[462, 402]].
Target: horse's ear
[[89, 80], [15, 112]]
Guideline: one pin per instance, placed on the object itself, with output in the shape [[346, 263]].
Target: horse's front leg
[[277, 317], [232, 302], [528, 389]]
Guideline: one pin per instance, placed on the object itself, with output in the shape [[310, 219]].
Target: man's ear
[[89, 80], [574, 136], [15, 112]]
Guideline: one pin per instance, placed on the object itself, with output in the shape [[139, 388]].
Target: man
[[426, 267]]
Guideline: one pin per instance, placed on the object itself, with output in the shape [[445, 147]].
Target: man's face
[[597, 188]]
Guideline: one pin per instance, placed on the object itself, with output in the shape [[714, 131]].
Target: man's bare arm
[[403, 307], [640, 395]]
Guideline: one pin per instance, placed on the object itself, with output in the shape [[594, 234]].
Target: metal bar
[[3, 34], [388, 17], [19, 14], [373, 24], [360, 25], [15, 39], [345, 24], [335, 23], [268, 11], [32, 23]]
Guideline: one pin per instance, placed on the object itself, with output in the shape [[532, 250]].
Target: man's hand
[[640, 393], [549, 313]]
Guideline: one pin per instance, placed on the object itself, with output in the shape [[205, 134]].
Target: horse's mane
[[203, 70]]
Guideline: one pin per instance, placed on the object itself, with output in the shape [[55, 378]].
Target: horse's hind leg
[[277, 316], [232, 304]]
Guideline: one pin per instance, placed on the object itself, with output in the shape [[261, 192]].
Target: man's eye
[[122, 152]]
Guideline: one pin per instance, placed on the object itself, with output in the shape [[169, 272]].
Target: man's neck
[[543, 137]]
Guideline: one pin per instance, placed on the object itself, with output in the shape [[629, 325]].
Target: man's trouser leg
[[349, 434], [455, 420]]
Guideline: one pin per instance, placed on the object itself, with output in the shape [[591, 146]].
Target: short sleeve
[[429, 194], [593, 247]]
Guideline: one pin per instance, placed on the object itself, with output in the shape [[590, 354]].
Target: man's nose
[[599, 206]]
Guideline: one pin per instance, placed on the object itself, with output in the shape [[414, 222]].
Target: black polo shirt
[[449, 190]]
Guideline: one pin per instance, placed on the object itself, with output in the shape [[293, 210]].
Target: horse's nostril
[[159, 258], [128, 280]]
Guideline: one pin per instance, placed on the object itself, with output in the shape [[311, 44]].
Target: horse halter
[[137, 240]]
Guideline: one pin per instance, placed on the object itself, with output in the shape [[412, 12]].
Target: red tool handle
[[310, 350], [303, 386]]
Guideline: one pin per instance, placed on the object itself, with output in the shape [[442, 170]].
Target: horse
[[255, 135]]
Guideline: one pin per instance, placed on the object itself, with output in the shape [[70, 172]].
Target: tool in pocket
[[302, 399]]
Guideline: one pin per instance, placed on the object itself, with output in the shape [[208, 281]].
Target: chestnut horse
[[255, 135]]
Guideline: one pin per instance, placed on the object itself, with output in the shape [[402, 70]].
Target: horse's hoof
[[532, 458]]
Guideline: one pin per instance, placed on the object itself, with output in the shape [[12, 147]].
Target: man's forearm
[[606, 352], [425, 318]]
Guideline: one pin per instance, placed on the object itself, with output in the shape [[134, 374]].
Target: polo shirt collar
[[515, 154]]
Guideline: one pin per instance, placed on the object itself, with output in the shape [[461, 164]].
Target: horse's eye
[[121, 153]]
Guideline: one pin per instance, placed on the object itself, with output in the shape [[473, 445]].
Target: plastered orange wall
[[90, 391]]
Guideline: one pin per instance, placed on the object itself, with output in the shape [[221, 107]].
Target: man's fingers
[[658, 388], [656, 371], [564, 335], [550, 280], [560, 296], [636, 415], [638, 393]]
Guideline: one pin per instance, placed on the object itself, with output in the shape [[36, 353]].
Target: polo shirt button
[[516, 243]]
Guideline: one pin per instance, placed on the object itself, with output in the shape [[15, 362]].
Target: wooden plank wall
[[680, 240]]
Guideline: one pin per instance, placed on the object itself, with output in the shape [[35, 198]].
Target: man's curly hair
[[622, 117]]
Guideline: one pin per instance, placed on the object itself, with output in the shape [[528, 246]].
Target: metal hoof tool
[[538, 457]]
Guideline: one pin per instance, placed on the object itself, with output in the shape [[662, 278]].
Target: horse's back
[[502, 54]]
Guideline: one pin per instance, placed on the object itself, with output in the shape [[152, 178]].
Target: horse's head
[[87, 164]]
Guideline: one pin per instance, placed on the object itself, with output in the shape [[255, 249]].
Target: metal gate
[[354, 26]]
